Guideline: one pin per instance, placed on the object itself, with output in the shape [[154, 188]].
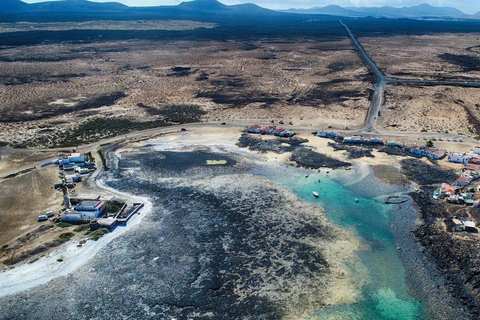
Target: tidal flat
[[222, 243]]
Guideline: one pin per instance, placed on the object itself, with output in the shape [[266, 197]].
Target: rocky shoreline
[[457, 259], [221, 243], [451, 261]]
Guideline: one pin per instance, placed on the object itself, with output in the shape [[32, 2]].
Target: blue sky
[[467, 6]]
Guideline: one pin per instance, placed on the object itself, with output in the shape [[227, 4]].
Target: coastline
[[30, 275], [27, 276]]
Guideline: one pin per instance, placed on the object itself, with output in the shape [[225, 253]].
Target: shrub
[[97, 234], [66, 236], [64, 224], [81, 228]]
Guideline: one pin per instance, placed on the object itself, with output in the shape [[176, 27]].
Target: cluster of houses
[[456, 194], [461, 224], [351, 139], [429, 152], [93, 210], [270, 130], [363, 140], [329, 135], [83, 211], [73, 166]]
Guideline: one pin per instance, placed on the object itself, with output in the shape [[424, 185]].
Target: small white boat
[[306, 176], [416, 189], [356, 199], [315, 194], [327, 171]]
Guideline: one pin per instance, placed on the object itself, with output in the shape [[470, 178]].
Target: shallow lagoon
[[384, 295]]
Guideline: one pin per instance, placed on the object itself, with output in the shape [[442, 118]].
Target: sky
[[467, 6]]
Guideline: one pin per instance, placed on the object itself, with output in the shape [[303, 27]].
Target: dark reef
[[219, 246]]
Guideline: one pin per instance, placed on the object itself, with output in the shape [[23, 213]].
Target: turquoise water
[[384, 294]]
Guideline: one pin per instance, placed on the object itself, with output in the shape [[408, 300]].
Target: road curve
[[377, 99]]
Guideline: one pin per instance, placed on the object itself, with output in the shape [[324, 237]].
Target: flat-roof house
[[254, 129], [470, 226], [457, 225], [91, 208], [72, 216], [460, 157], [462, 181], [431, 153]]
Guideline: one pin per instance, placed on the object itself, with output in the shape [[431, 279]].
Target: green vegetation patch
[[66, 236], [97, 234], [83, 227], [64, 224]]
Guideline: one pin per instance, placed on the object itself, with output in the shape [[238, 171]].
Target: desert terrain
[[66, 94], [59, 94], [434, 109], [442, 56]]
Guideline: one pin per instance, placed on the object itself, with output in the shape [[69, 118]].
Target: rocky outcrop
[[457, 255]]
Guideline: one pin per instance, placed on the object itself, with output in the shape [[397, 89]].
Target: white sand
[[47, 268]]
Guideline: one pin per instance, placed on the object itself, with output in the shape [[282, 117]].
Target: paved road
[[368, 127], [377, 100]]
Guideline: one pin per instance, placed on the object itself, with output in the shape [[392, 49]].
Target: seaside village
[[99, 212], [465, 190], [106, 212]]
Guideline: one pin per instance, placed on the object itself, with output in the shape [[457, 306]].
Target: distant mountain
[[422, 10], [333, 10], [12, 6], [214, 6], [202, 5], [196, 7], [61, 6]]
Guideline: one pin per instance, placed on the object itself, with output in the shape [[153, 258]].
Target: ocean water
[[384, 295]]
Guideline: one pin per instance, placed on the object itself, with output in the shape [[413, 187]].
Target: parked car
[[42, 218], [223, 123], [281, 121], [290, 123], [49, 214], [183, 129]]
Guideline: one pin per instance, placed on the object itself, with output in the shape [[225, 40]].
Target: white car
[[42, 218]]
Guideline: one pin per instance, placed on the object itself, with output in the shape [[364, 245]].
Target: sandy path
[[27, 276]]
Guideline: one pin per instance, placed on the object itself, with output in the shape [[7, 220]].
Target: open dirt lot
[[437, 56], [48, 89], [445, 110], [25, 197]]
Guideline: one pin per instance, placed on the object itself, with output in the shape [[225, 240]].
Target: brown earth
[[436, 57], [24, 198], [445, 110], [302, 81]]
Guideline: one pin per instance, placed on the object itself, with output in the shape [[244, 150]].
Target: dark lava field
[[221, 244]]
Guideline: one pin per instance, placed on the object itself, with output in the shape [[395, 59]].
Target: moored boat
[[315, 193]]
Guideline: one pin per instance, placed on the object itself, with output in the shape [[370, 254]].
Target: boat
[[306, 176], [315, 193], [356, 199], [327, 171], [416, 189]]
